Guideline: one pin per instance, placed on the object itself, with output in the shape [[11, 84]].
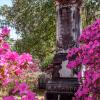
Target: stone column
[[67, 33], [68, 24]]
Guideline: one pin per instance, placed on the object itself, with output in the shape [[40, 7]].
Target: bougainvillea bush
[[88, 55], [24, 92], [13, 66]]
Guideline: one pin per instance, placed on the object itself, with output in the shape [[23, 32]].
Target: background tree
[[35, 21], [90, 11]]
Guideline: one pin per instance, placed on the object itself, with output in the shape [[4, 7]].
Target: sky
[[13, 31], [8, 2]]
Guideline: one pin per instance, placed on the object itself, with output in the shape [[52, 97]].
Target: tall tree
[[35, 21], [90, 11]]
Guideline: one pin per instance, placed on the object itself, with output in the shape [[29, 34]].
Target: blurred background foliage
[[35, 21], [90, 11]]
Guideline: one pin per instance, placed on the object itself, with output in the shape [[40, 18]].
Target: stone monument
[[64, 83]]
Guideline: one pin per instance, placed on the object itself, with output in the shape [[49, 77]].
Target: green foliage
[[35, 20], [47, 61], [90, 12]]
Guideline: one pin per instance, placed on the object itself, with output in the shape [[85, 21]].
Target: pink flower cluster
[[24, 92], [88, 54], [12, 64]]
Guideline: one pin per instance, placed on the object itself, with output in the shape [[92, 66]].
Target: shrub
[[87, 54]]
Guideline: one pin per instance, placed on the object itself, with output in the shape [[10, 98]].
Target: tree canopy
[[35, 21]]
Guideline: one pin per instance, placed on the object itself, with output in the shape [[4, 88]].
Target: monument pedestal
[[64, 84], [61, 89]]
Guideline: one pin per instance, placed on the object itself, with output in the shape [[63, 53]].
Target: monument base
[[61, 89], [58, 96]]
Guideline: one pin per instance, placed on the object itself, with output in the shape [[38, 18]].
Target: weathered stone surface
[[63, 83], [68, 26]]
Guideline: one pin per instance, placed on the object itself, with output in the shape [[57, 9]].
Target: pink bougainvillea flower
[[25, 58], [2, 51], [88, 54], [6, 81], [11, 56], [16, 87], [23, 88], [5, 31], [89, 98], [9, 98], [12, 65], [29, 96], [1, 76], [24, 91], [18, 71], [6, 45]]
